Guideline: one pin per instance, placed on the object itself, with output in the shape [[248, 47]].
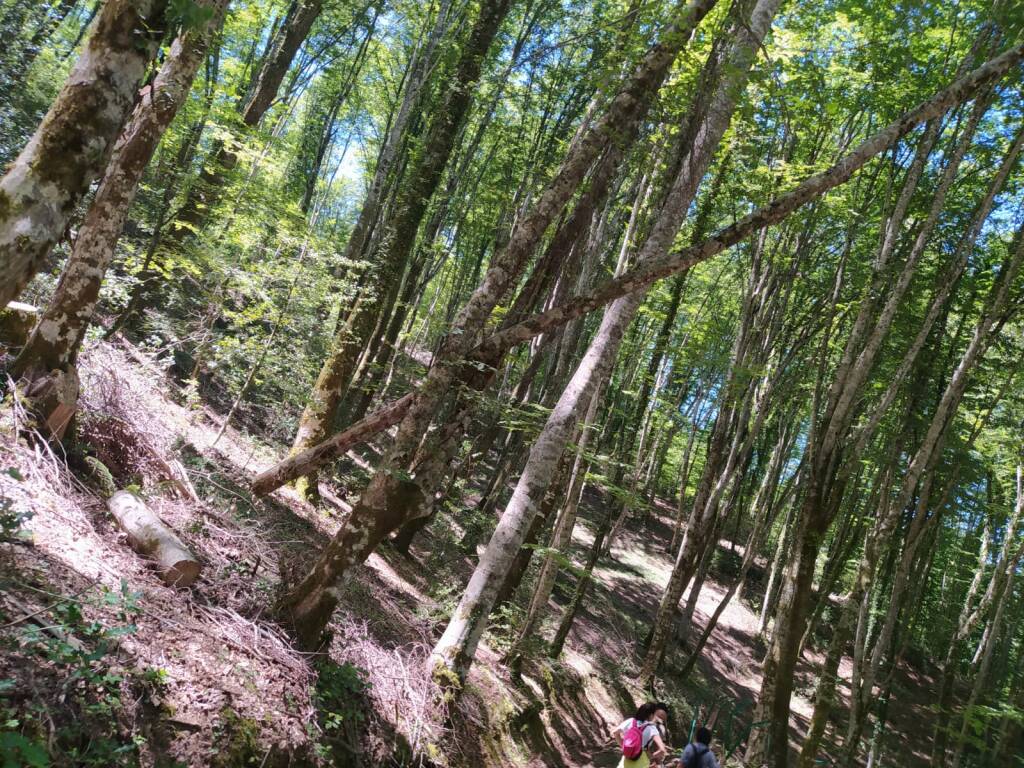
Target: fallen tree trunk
[[148, 535], [301, 464]]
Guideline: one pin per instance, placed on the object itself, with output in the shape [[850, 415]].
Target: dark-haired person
[[644, 721], [698, 752]]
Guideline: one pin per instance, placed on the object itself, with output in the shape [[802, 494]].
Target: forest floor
[[101, 661]]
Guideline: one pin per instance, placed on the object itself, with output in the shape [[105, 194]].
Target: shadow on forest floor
[[235, 683]]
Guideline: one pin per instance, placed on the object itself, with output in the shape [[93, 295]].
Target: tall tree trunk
[[643, 275], [291, 36], [768, 602], [824, 692], [58, 336], [722, 80], [41, 188], [582, 586], [457, 646], [729, 445], [764, 509], [459, 344], [561, 536], [781, 661], [391, 499], [205, 194], [399, 231]]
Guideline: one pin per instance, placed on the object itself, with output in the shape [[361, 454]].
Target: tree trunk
[[399, 232], [276, 64], [644, 275], [148, 535], [697, 582], [582, 586], [711, 116], [824, 692], [432, 455], [764, 501], [460, 343], [41, 188], [326, 392], [768, 603], [561, 536], [389, 499], [825, 478], [779, 663], [206, 192], [57, 338], [457, 646]]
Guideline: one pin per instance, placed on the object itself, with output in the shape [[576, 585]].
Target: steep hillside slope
[[107, 665]]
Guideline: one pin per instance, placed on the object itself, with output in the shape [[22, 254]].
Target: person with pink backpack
[[639, 738]]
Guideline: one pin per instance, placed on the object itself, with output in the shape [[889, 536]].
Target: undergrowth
[[87, 716]]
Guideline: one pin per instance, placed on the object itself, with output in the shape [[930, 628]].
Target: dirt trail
[[231, 682]]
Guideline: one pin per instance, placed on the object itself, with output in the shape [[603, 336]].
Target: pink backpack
[[633, 740]]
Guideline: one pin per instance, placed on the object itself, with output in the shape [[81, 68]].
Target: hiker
[[698, 752], [639, 738]]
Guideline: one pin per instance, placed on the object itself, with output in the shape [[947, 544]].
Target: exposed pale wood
[[148, 535]]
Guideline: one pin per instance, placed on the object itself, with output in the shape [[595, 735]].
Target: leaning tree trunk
[[582, 587], [824, 692], [455, 650], [459, 344], [392, 498], [57, 337], [561, 535], [70, 148], [296, 28], [392, 502], [399, 233], [457, 646], [326, 392], [765, 498]]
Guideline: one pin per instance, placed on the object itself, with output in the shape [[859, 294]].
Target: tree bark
[[58, 336], [206, 192], [41, 188], [276, 64], [148, 535]]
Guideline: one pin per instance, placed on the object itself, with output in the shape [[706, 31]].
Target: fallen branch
[[303, 463]]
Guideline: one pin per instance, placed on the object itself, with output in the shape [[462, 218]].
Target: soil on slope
[[204, 676]]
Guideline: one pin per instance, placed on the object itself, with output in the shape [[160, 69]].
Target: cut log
[[148, 535]]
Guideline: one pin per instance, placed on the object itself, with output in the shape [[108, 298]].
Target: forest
[[564, 383]]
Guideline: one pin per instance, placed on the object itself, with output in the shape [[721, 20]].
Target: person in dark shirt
[[698, 752]]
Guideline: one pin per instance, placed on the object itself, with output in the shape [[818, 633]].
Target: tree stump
[[52, 400], [16, 322]]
